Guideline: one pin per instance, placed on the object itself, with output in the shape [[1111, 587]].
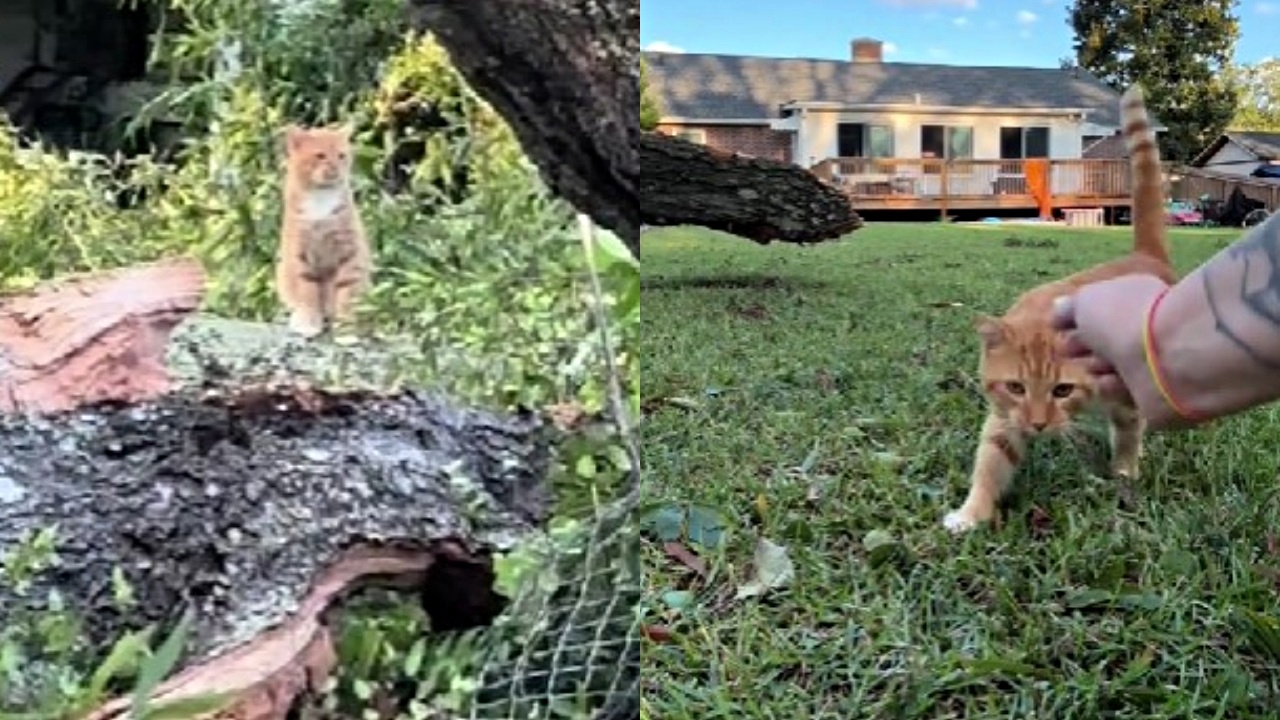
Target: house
[[1244, 154], [903, 135], [1248, 161]]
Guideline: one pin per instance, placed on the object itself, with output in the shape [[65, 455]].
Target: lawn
[[823, 399]]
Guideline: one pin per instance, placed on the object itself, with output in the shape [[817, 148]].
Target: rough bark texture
[[566, 76], [254, 508], [763, 200], [94, 337], [257, 510]]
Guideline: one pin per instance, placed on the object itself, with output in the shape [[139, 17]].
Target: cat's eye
[[321, 156], [1063, 390], [1015, 388]]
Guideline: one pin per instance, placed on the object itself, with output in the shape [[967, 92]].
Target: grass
[[823, 398]]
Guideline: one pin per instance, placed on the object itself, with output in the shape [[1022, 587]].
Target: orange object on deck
[[1037, 170]]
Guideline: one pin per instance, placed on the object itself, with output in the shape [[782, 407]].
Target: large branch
[[565, 76], [762, 200]]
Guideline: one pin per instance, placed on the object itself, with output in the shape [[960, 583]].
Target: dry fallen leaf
[[678, 552], [657, 633]]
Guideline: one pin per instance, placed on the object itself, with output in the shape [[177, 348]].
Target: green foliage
[[650, 110], [1259, 86], [1177, 50], [489, 279]]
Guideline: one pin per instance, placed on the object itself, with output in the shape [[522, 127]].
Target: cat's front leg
[[999, 453], [1127, 427]]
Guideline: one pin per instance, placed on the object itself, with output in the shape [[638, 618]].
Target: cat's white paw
[[304, 325], [959, 522]]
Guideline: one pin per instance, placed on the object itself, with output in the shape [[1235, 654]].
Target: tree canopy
[[1179, 52], [1259, 107], [650, 111]]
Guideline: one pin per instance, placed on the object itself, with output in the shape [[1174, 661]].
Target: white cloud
[[1267, 8], [889, 48], [963, 4], [663, 46], [960, 21], [1026, 17]]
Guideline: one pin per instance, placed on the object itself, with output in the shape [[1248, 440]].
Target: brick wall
[[753, 140]]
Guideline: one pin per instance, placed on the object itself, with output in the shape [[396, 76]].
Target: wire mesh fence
[[573, 649]]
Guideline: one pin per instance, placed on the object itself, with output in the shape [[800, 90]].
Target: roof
[[734, 87], [1265, 145], [1110, 147]]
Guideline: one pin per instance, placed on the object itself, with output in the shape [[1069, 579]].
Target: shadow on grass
[[726, 282]]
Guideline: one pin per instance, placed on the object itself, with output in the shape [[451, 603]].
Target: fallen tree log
[[565, 75], [94, 337], [682, 183], [258, 510]]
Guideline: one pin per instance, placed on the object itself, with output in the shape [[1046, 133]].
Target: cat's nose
[[1039, 426]]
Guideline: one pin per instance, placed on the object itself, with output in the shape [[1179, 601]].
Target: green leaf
[[613, 250], [189, 707], [706, 526], [677, 599], [122, 659], [666, 523], [156, 667]]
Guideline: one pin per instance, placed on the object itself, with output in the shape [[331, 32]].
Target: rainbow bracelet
[[1149, 351]]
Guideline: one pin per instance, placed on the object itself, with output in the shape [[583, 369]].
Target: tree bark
[[259, 509], [94, 337], [565, 75], [762, 200], [254, 508]]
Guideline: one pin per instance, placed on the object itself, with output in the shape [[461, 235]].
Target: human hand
[[1104, 324]]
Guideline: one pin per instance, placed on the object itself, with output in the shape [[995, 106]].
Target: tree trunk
[[565, 75], [94, 337], [763, 200], [257, 510]]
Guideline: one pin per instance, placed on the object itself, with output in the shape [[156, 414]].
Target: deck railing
[[927, 179]]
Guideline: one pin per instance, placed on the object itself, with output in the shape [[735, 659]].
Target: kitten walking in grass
[[324, 261], [1030, 386]]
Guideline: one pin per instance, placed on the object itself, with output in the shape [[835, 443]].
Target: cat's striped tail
[[1149, 233]]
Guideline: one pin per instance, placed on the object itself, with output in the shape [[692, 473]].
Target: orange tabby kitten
[[324, 260], [1029, 386]]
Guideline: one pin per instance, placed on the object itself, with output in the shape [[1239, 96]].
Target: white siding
[[1231, 159], [817, 137]]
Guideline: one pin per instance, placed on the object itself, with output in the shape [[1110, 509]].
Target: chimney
[[867, 50]]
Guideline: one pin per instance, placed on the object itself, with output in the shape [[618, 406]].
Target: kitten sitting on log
[[324, 261]]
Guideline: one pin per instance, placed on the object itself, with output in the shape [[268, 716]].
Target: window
[[1017, 143], [860, 140], [951, 142], [693, 135]]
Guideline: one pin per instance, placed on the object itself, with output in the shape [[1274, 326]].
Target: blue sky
[[1031, 33]]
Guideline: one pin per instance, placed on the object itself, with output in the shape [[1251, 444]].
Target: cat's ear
[[990, 329], [292, 136], [345, 129]]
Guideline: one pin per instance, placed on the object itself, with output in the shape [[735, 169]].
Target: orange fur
[[324, 262], [1030, 387]]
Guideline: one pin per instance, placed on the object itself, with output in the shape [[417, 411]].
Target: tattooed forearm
[[1242, 285]]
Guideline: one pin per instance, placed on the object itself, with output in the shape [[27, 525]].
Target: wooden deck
[[919, 184]]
